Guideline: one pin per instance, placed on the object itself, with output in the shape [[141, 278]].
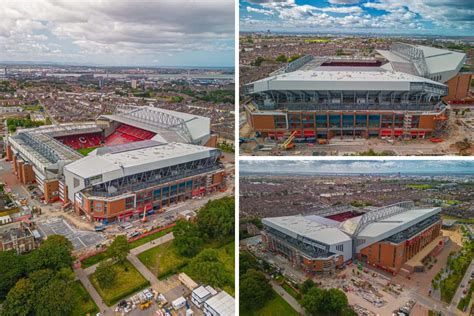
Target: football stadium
[[387, 238], [136, 160], [398, 93]]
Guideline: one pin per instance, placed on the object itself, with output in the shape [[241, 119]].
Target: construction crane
[[288, 144]]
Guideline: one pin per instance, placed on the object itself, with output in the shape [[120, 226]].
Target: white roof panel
[[114, 165], [307, 227], [222, 304], [398, 222]]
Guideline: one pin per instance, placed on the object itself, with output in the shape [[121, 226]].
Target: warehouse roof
[[307, 227], [131, 159]]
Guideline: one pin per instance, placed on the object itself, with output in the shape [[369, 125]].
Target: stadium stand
[[81, 140], [343, 216], [127, 134]]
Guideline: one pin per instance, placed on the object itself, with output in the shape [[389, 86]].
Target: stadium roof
[[386, 227], [124, 160], [170, 126], [222, 304], [437, 61], [341, 79], [309, 227]]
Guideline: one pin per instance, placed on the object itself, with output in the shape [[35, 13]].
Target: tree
[[307, 285], [258, 61], [57, 298], [119, 249], [281, 59], [19, 299], [320, 301], [187, 239], [105, 274], [246, 262], [12, 268], [210, 270], [54, 253], [216, 218], [255, 290]]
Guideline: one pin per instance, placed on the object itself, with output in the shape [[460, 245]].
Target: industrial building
[[143, 158], [387, 238], [399, 93]]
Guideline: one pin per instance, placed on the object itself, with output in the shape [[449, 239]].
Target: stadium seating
[[127, 134], [81, 140], [343, 216]]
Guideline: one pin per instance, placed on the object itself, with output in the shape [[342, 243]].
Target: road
[[432, 304], [287, 297], [465, 281]]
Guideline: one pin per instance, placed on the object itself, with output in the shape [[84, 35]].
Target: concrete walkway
[[83, 277], [287, 297], [152, 244], [135, 251]]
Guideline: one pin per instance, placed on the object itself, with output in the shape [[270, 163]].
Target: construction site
[[392, 101]]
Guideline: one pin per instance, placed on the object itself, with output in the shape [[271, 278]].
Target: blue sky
[[118, 32], [446, 167], [434, 17]]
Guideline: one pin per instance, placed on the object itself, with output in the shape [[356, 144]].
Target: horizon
[[358, 167]]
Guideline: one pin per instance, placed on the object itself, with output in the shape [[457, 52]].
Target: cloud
[[344, 1], [115, 26], [260, 11]]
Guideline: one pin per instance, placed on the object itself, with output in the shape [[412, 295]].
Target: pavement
[[465, 281], [160, 286], [287, 297]]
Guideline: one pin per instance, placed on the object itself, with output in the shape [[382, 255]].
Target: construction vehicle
[[288, 143], [322, 141], [145, 305]]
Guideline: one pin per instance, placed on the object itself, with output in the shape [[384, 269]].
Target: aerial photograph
[[117, 169], [356, 77], [356, 237]]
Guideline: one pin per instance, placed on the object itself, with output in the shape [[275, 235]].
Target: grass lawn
[[461, 220], [150, 237], [129, 280], [276, 306], [86, 305], [163, 260], [94, 259], [85, 151]]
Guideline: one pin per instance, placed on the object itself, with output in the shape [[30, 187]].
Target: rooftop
[[222, 303], [123, 160], [309, 227]]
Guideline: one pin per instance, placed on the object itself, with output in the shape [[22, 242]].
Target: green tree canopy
[[255, 290], [216, 218], [207, 265], [187, 238], [119, 249], [105, 274], [19, 300], [54, 253], [307, 285], [326, 302], [246, 262], [12, 268], [281, 58], [57, 298]]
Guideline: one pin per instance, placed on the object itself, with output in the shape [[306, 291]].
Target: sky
[[442, 167], [432, 17], [118, 32]]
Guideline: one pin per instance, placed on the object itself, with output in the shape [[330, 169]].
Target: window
[[340, 247], [321, 121], [334, 121]]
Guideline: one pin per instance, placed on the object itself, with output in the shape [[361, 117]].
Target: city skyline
[[118, 33], [426, 17], [358, 166]]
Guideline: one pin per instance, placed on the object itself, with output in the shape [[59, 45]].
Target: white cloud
[[260, 11]]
